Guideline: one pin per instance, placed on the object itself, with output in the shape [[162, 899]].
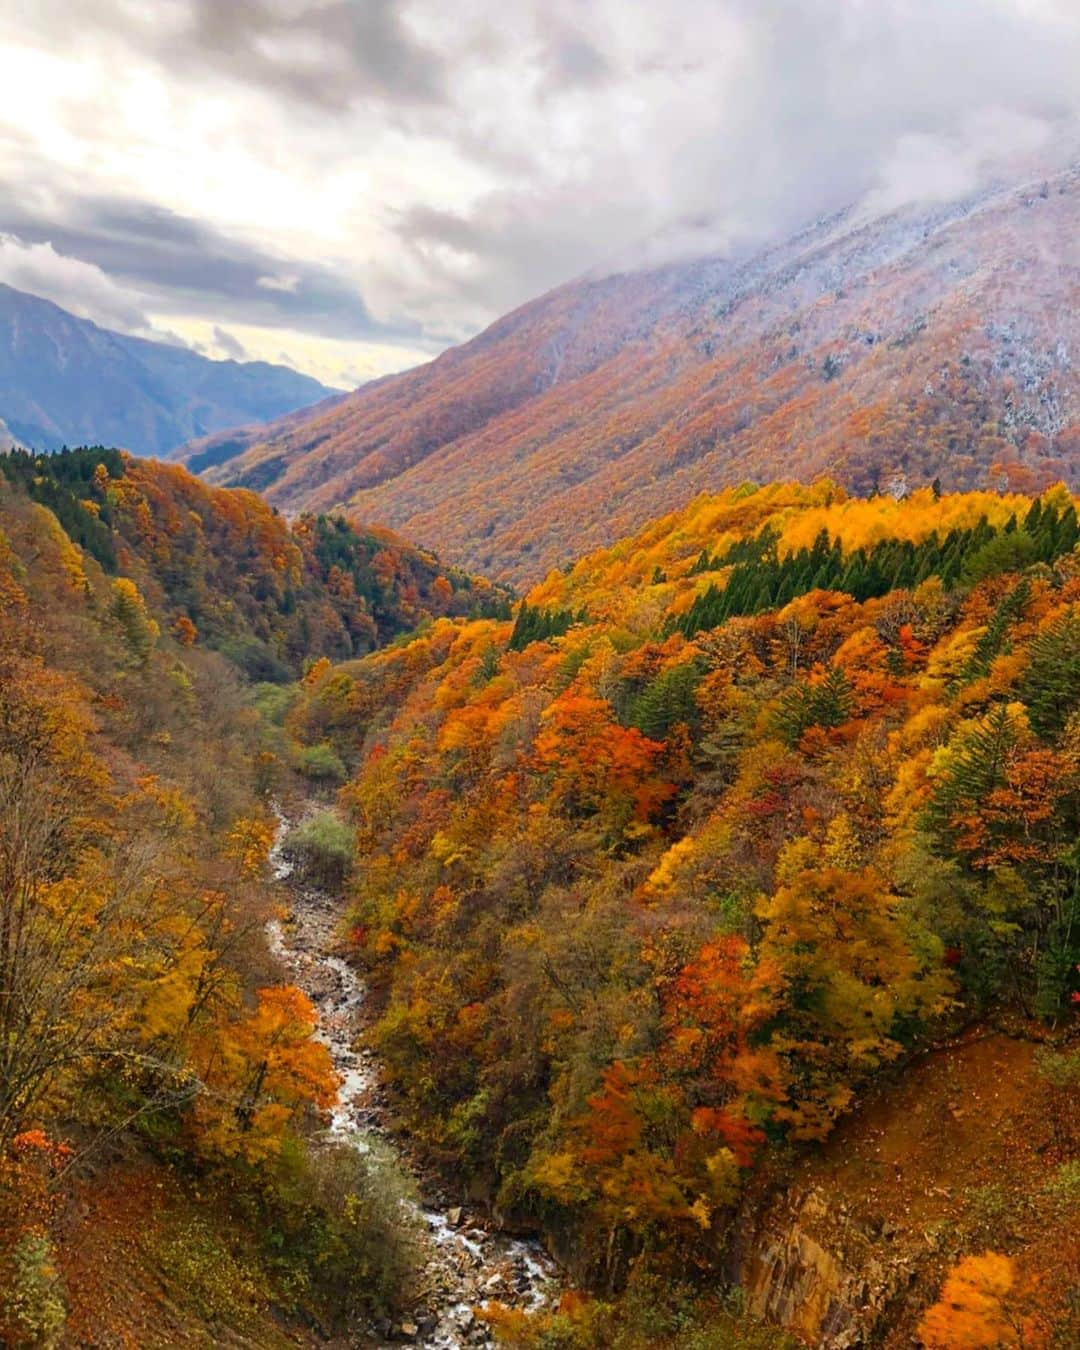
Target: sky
[[349, 186]]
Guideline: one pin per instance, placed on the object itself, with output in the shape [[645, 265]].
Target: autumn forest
[[732, 867]]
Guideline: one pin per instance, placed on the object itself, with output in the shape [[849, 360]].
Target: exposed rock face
[[852, 1242], [830, 1292], [795, 1282]]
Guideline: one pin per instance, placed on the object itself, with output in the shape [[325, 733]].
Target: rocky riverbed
[[467, 1263]]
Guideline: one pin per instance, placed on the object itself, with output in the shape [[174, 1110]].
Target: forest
[[658, 888], [228, 571], [659, 883]]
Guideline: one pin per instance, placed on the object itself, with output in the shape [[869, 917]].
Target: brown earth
[[953, 1158]]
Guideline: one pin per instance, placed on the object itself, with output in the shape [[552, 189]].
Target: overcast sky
[[350, 185]]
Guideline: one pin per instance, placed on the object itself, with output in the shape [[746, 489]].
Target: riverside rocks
[[466, 1264]]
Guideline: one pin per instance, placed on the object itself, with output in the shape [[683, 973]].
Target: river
[[465, 1262]]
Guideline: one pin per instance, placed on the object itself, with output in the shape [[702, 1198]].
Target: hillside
[[716, 915], [679, 877], [161, 1084], [65, 381], [229, 573], [933, 341]]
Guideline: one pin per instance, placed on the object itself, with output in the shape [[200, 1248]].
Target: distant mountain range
[[934, 341], [65, 381]]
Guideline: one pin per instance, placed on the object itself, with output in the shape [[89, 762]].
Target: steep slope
[[933, 341], [65, 381], [673, 884], [161, 1085]]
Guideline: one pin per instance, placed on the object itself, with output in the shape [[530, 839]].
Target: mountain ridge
[[917, 342], [69, 381]]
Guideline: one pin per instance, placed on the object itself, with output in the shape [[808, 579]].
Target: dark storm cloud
[[188, 265], [328, 55]]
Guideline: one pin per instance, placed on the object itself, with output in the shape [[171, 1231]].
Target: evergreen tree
[[1051, 683]]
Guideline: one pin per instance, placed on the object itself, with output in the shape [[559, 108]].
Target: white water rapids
[[465, 1265]]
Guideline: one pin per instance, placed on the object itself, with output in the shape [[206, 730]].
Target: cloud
[[719, 129], [75, 285], [326, 54], [289, 284], [928, 167], [233, 348], [329, 55], [182, 264], [575, 62], [403, 171]]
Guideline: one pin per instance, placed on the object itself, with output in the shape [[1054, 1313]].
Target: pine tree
[[1051, 683]]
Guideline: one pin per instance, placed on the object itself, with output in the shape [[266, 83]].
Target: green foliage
[[129, 610], [976, 766], [824, 703], [666, 701], [1064, 1186], [339, 1226], [354, 553], [267, 593], [273, 701], [323, 845], [32, 1299], [321, 763], [64, 482], [256, 659], [996, 1213], [760, 579], [994, 641], [1006, 552], [535, 624], [221, 1287], [1060, 1068], [1051, 684]]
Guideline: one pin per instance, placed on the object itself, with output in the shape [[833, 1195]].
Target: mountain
[[932, 341], [227, 572], [717, 920], [65, 381]]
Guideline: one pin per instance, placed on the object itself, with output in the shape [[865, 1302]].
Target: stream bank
[[465, 1263]]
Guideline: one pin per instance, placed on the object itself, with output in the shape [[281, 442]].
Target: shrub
[[321, 763], [32, 1311], [273, 701], [1064, 1185], [255, 659], [322, 844], [221, 1287], [342, 1225]]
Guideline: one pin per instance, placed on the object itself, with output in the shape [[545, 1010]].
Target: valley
[[462, 1265], [575, 843], [678, 919]]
